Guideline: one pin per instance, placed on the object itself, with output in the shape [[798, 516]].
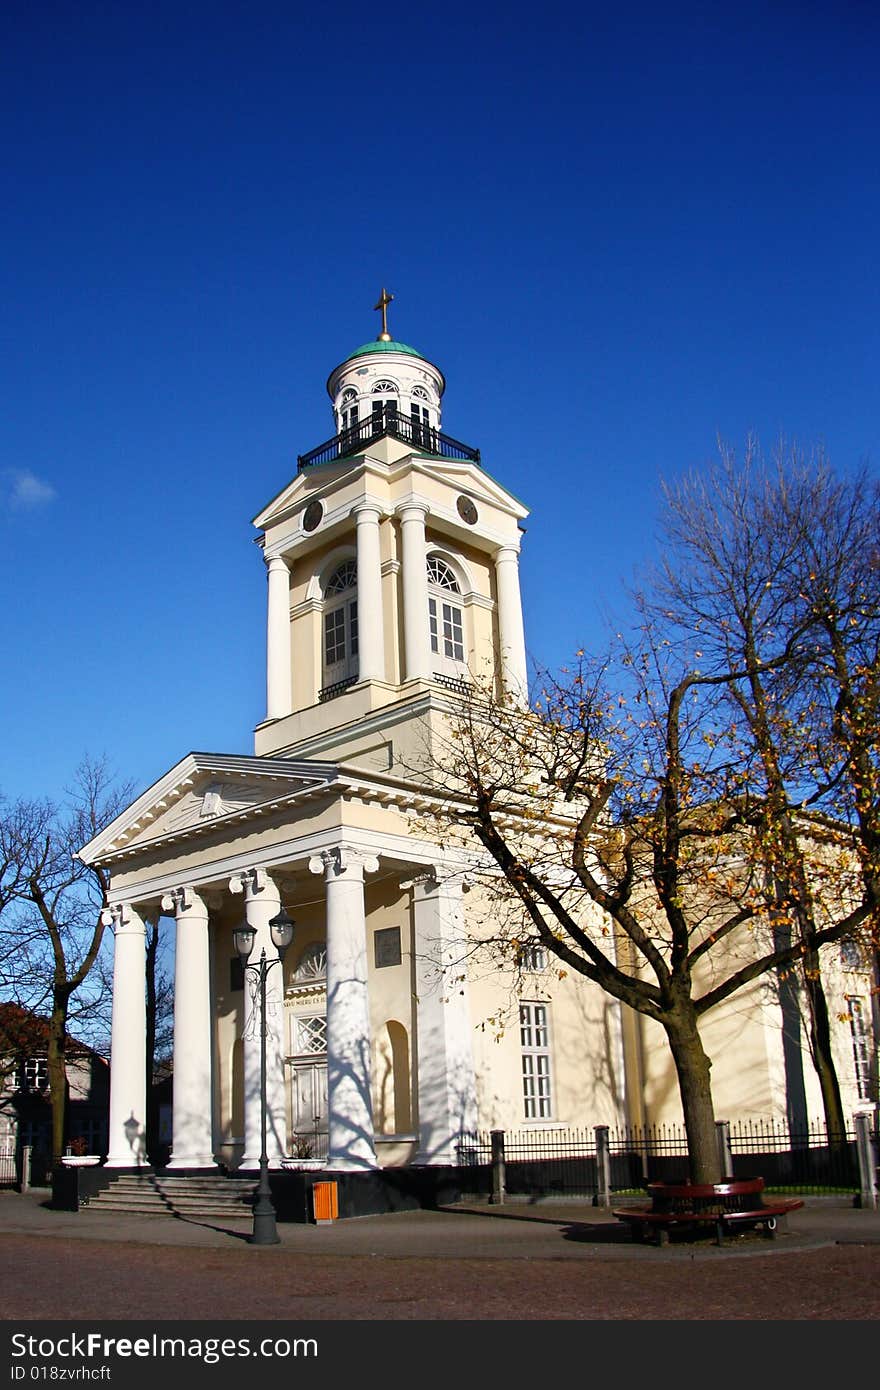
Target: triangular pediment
[[456, 473], [204, 790], [301, 488]]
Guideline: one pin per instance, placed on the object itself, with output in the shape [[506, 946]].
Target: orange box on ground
[[325, 1201]]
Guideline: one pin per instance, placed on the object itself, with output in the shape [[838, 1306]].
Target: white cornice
[[183, 776], [402, 850]]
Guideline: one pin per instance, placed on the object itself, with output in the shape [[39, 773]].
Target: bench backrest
[[748, 1187]]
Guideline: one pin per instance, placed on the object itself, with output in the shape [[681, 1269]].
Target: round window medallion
[[466, 510], [312, 516]]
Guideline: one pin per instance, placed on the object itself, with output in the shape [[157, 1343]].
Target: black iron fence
[[566, 1162], [389, 421]]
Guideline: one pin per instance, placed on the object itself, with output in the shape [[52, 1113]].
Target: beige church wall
[[305, 657], [744, 1069], [586, 1045], [744, 1038], [391, 1017]]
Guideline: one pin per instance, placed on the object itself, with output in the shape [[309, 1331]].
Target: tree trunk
[[820, 1048], [693, 1067], [56, 1065]]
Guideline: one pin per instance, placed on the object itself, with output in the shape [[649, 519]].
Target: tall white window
[[444, 614], [420, 416], [341, 625], [349, 409], [384, 402], [860, 1046], [534, 1033]]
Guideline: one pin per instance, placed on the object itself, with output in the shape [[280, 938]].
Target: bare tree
[[678, 819], [51, 904], [774, 571]]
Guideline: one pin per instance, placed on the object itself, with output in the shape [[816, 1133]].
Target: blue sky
[[620, 231]]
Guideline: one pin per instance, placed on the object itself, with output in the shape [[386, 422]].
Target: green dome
[[378, 346]]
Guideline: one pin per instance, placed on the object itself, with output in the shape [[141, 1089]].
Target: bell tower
[[393, 575]]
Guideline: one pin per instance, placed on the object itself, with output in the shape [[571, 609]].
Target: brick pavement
[[549, 1262]]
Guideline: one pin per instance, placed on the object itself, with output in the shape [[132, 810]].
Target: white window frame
[[34, 1074], [536, 1063], [861, 1046], [340, 617], [446, 618]]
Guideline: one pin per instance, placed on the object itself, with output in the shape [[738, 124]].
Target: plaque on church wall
[[386, 946], [312, 516], [467, 511]]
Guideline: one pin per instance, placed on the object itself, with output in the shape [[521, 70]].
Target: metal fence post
[[25, 1167], [725, 1155], [603, 1166], [497, 1195], [867, 1162]]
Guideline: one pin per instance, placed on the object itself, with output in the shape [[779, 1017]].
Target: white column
[[349, 1087], [128, 1041], [261, 903], [279, 699], [447, 1095], [416, 637], [192, 1144], [511, 633], [371, 639]]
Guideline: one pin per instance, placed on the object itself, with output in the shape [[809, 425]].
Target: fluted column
[[371, 639], [279, 698], [261, 903], [192, 1144], [416, 639], [349, 1088], [128, 1040], [447, 1103], [511, 633]]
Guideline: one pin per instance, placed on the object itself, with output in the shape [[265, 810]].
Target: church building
[[392, 564]]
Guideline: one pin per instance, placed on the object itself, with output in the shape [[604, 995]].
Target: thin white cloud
[[23, 490]]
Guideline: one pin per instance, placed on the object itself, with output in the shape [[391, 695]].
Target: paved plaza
[[560, 1261]]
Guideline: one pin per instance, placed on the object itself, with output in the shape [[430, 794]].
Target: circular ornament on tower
[[466, 510], [313, 516]]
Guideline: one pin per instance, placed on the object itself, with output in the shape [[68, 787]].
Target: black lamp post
[[281, 929]]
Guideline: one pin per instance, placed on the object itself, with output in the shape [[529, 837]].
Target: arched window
[[341, 625], [420, 416], [385, 402], [348, 413], [312, 964], [444, 615]]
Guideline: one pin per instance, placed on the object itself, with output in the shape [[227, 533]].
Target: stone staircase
[[151, 1194]]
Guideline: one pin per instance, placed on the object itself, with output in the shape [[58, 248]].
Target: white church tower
[[393, 569]]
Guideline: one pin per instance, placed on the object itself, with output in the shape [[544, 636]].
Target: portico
[[341, 886]]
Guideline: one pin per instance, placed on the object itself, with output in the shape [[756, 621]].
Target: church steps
[[176, 1196]]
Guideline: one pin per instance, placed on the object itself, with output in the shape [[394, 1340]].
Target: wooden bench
[[724, 1205]]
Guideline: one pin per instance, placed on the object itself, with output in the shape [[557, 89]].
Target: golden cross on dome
[[384, 300]]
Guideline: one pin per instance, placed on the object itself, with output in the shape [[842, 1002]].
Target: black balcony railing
[[389, 421]]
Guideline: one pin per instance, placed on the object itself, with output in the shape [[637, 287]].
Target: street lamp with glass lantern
[[281, 930]]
